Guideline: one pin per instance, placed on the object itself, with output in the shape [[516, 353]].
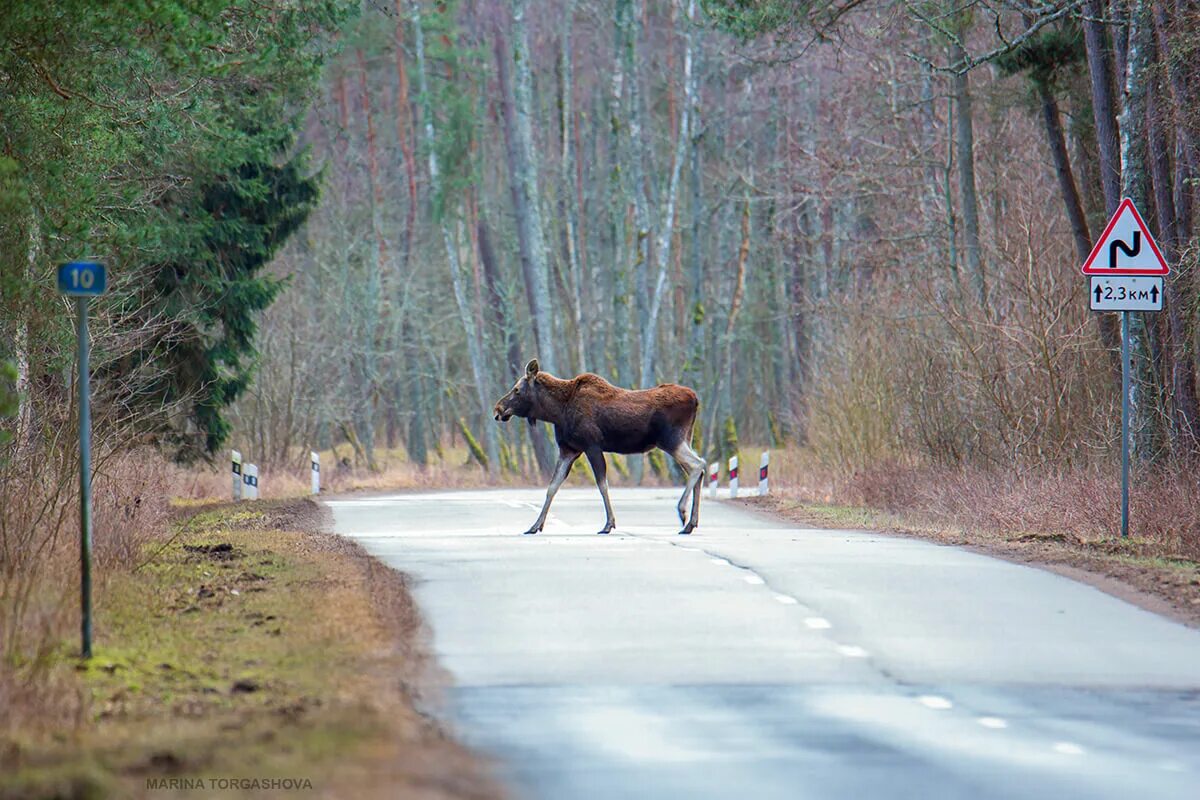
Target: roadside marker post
[[714, 478], [316, 471], [733, 477], [84, 280], [250, 479], [236, 458], [763, 466], [1125, 276]]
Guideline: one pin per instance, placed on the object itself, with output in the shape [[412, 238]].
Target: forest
[[855, 228]]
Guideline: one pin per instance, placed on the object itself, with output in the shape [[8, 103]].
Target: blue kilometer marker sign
[[82, 278]]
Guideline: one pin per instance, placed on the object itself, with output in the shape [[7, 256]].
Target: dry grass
[[1080, 505], [39, 570]]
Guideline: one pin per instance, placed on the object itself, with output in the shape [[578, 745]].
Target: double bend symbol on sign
[[1126, 247]]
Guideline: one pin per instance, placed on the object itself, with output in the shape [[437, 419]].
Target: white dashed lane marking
[[817, 623], [935, 702]]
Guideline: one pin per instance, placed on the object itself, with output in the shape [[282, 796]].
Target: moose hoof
[[687, 530], [604, 531], [531, 531]]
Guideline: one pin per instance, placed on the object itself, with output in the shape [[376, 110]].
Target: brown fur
[[592, 417]]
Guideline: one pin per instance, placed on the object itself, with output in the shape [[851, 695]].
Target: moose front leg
[[561, 469], [600, 470]]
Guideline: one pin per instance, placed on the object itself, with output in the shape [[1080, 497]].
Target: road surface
[[758, 660]]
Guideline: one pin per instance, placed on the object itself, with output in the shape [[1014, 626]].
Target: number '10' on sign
[[82, 278]]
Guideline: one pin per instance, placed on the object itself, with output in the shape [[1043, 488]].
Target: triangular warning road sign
[[1126, 247]]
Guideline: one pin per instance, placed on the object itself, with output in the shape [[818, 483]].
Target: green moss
[[508, 459], [658, 464], [618, 464], [477, 452], [729, 438]]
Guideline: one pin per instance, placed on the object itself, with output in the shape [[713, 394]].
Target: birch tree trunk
[[451, 240], [618, 148], [517, 167], [21, 346], [662, 249], [569, 187], [524, 177], [1133, 186]]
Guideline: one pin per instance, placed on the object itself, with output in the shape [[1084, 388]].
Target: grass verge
[[250, 656]]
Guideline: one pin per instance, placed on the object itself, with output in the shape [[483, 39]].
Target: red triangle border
[[1088, 269]]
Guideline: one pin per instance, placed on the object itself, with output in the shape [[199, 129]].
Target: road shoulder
[[254, 655]]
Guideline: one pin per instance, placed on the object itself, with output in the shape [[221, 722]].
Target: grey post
[[85, 480], [1125, 389]]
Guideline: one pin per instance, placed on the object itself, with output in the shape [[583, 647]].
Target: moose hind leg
[[600, 470], [561, 470], [693, 465]]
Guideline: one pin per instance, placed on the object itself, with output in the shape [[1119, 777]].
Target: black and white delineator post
[[250, 482], [316, 471], [733, 477], [1125, 276], [714, 478], [236, 459], [762, 473], [84, 280]]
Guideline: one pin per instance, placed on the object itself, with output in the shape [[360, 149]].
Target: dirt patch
[[253, 655], [1122, 568]]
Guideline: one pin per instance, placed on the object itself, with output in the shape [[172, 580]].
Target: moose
[[592, 417]]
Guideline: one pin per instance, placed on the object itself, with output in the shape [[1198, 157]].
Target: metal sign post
[[84, 280], [1125, 277], [1125, 387]]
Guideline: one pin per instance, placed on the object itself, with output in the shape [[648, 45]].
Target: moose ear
[[531, 368]]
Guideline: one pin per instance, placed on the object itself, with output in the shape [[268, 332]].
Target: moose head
[[521, 400]]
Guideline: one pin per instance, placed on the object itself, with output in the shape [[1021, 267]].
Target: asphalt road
[[757, 660]]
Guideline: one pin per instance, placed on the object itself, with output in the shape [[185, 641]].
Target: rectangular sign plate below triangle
[[1126, 293]]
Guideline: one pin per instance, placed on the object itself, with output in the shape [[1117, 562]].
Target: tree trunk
[[405, 136], [964, 142], [523, 174], [662, 250], [1104, 104], [1180, 365], [618, 205], [570, 207], [536, 291], [451, 240], [1062, 168], [1106, 324], [1133, 185]]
